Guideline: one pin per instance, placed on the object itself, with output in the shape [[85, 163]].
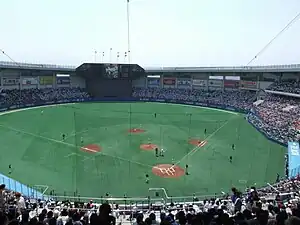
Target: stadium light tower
[[128, 32]]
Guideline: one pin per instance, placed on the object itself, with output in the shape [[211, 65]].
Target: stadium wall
[[31, 192]]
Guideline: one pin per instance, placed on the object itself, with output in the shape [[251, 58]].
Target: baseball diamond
[[100, 156]]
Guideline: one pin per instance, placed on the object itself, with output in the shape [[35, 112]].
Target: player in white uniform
[[162, 152]]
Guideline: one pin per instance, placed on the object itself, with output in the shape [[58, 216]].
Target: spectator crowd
[[35, 96], [286, 86], [277, 116], [278, 204], [239, 99]]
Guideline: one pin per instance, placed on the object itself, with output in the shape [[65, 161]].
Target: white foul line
[[193, 151], [70, 145]]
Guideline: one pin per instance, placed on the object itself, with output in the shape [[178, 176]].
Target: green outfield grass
[[32, 142]]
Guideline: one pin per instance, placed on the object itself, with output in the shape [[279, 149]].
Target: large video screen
[[111, 71]]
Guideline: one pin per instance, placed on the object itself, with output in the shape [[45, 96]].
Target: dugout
[[109, 80]]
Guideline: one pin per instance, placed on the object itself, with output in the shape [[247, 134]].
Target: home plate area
[[168, 171]]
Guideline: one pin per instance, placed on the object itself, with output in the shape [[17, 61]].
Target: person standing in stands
[[2, 197], [236, 199], [21, 205]]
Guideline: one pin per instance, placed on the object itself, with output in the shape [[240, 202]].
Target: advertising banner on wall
[[184, 83], [215, 83], [153, 82], [294, 159], [29, 81], [169, 81], [231, 84], [46, 80], [248, 84], [202, 83], [63, 80], [10, 81]]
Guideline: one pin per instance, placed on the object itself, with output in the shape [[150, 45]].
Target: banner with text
[[294, 159], [248, 84], [46, 80], [10, 81], [169, 81], [231, 84], [153, 82], [63, 80], [215, 83], [202, 83], [28, 81], [184, 83]]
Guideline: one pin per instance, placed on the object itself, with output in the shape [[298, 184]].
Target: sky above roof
[[162, 32]]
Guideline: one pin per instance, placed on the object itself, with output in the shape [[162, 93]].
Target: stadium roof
[[19, 65], [270, 68]]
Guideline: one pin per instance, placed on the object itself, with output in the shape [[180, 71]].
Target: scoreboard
[[111, 71], [109, 80]]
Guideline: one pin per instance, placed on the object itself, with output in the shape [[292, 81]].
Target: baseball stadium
[[149, 125], [165, 136]]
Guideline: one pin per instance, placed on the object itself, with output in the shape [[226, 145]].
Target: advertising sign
[[184, 83], [29, 81], [46, 80], [215, 83], [202, 83], [231, 84], [294, 159], [153, 82], [63, 80], [169, 81], [10, 81], [248, 84]]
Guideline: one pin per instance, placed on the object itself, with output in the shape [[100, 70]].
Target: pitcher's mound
[[91, 148], [197, 142], [136, 130], [168, 171], [148, 147]]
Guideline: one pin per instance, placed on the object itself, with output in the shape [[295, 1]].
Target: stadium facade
[[24, 76]]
